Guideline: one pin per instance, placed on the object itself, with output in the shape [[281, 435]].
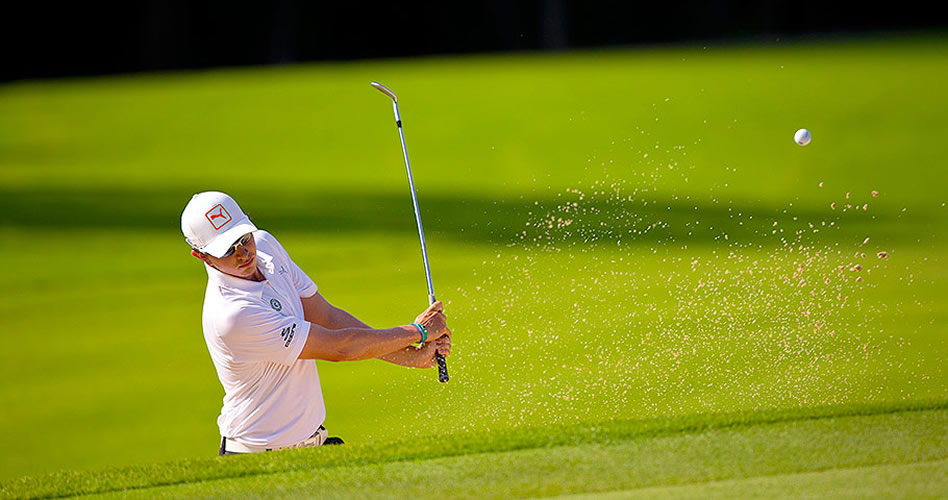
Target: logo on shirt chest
[[276, 305]]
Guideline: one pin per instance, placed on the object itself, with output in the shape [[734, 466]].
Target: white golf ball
[[802, 137]]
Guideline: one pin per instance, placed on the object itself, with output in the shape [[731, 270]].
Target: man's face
[[242, 263]]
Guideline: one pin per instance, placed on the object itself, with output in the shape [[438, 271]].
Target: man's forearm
[[333, 325], [402, 357], [375, 349], [356, 343], [339, 319]]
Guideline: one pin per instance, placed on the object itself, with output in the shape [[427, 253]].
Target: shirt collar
[[264, 264]]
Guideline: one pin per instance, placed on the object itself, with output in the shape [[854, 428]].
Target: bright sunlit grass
[[617, 235]]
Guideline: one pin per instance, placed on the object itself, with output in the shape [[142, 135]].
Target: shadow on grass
[[557, 221]]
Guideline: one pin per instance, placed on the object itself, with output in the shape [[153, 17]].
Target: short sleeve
[[261, 334], [303, 284]]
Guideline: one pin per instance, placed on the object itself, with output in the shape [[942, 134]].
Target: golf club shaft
[[442, 364], [414, 202]]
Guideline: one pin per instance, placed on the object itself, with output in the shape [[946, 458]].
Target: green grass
[[586, 282], [535, 461], [921, 480]]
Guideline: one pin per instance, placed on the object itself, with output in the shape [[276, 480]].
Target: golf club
[[442, 365]]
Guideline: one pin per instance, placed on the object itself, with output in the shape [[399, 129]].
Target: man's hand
[[434, 321], [439, 337], [426, 353]]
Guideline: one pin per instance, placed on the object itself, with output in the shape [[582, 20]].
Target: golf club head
[[383, 89]]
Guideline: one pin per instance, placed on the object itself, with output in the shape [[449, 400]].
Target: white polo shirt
[[255, 332]]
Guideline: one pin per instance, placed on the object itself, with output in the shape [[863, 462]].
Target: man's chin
[[247, 270]]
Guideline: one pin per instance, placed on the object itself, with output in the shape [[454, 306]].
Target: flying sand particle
[[784, 309]]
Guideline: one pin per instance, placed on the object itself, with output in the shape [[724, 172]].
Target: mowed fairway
[[840, 451], [619, 236]]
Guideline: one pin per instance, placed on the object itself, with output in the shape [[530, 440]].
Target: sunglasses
[[241, 242]]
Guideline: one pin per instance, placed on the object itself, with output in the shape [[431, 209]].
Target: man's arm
[[354, 344], [318, 310]]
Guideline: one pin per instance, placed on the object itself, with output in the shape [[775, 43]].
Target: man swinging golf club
[[265, 325]]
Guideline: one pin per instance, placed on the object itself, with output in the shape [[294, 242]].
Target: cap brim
[[223, 241]]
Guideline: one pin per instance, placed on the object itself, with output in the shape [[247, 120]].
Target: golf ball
[[802, 137]]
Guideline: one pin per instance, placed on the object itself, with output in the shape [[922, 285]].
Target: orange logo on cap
[[218, 216]]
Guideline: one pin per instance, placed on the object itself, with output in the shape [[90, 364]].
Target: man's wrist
[[421, 331]]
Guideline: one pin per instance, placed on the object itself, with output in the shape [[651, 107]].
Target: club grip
[[442, 364], [442, 368]]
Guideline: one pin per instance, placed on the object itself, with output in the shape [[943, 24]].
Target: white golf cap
[[212, 222]]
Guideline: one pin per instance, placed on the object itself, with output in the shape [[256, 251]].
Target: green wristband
[[422, 331]]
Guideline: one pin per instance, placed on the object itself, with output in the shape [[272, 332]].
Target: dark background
[[51, 39]]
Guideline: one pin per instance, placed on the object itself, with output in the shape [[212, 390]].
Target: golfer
[[265, 325]]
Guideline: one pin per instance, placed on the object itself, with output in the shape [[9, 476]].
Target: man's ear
[[199, 255]]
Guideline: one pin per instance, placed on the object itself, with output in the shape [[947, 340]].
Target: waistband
[[233, 446]]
